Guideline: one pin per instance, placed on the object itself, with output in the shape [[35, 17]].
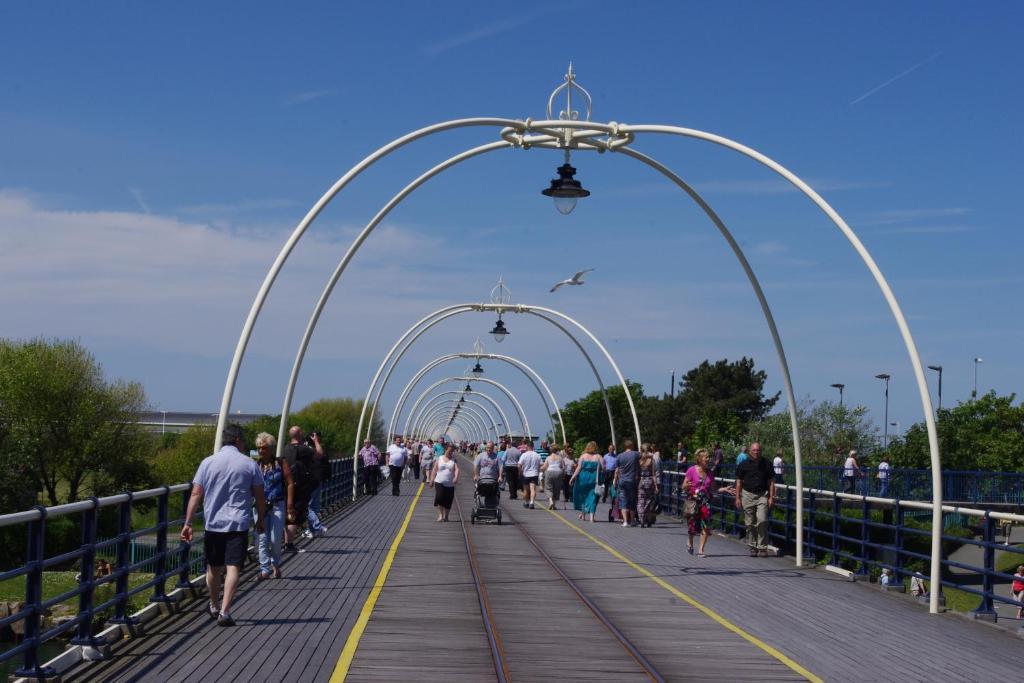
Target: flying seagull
[[576, 279]]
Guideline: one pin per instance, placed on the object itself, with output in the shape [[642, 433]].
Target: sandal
[[263, 576], [689, 549], [277, 572]]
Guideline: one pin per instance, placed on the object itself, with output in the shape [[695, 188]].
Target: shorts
[[627, 495], [225, 548], [529, 480], [444, 496]]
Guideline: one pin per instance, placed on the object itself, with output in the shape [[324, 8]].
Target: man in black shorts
[[226, 483]]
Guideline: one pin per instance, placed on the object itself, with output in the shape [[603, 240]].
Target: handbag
[[690, 504], [599, 490]]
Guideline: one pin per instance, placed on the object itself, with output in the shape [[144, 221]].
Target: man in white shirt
[[529, 470], [884, 470], [779, 465], [397, 455]]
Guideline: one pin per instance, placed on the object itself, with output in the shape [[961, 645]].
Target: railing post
[[837, 509], [185, 549], [34, 596], [986, 610], [787, 536], [98, 649], [977, 486], [864, 530], [160, 570], [124, 548], [897, 542]]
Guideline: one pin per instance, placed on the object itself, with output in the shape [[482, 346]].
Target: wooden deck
[[724, 617]]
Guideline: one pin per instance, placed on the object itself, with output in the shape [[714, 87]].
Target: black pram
[[485, 503]]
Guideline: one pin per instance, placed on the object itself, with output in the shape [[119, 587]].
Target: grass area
[[57, 583], [960, 601]]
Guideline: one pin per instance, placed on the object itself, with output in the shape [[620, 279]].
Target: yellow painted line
[[754, 640], [349, 651]]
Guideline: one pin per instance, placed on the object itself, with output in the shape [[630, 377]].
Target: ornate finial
[[570, 85], [501, 294], [478, 347]]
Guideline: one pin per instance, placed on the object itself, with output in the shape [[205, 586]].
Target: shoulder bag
[[690, 504]]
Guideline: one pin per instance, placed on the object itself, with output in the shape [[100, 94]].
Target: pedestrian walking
[[626, 480], [529, 470], [427, 459], [609, 462], [397, 455], [322, 474], [412, 469], [648, 489], [569, 468], [884, 472], [779, 467], [698, 484], [226, 483], [487, 473], [1017, 590], [301, 462], [584, 482], [553, 471], [851, 470], [445, 477], [369, 456], [755, 496], [512, 470], [278, 493]]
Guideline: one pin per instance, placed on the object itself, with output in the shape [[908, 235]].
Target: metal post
[[897, 570], [34, 596], [787, 537], [84, 637], [160, 570], [811, 537], [866, 515], [186, 550], [986, 610], [124, 561], [837, 509]]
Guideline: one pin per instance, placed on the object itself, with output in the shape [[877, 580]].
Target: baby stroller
[[485, 503]]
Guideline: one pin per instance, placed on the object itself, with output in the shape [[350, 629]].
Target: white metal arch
[[497, 406], [440, 399], [574, 134], [529, 372], [445, 412], [480, 407], [421, 326], [501, 387]]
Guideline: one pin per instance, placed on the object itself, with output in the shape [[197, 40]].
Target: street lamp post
[[885, 433], [840, 387], [938, 369], [974, 394]]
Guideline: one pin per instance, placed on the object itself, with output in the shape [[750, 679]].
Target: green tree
[[178, 464], [63, 423], [827, 432], [724, 394], [586, 418], [984, 434]]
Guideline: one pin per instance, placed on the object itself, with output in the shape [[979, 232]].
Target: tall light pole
[[974, 394], [672, 387], [885, 377], [840, 387], [938, 369]]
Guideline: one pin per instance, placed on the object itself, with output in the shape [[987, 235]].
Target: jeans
[[314, 507], [755, 516], [269, 542], [396, 479], [883, 488], [512, 477]]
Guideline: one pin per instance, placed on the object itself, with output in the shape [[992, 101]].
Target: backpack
[[303, 472]]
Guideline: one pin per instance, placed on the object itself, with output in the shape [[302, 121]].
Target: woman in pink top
[[697, 485]]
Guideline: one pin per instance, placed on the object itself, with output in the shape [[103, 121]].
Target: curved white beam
[[480, 408], [482, 395], [444, 413], [501, 387], [552, 407], [441, 399]]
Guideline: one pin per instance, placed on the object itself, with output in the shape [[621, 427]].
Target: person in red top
[[1017, 589]]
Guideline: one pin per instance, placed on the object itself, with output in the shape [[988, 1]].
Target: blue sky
[[153, 159]]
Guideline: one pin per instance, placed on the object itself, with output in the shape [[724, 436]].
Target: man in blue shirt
[[742, 455], [610, 462], [227, 483]]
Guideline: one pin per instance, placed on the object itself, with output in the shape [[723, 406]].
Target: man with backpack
[[301, 461]]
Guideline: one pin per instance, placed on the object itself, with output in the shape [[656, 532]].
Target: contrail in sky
[[897, 77]]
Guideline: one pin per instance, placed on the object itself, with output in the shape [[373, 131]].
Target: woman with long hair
[[647, 489], [697, 486], [584, 481]]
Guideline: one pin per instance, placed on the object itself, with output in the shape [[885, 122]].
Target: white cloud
[[898, 216], [307, 96]]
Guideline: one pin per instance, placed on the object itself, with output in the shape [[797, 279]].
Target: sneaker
[[225, 620], [532, 506], [753, 552], [214, 611], [307, 534], [323, 530], [690, 550], [762, 553], [526, 505], [290, 547]]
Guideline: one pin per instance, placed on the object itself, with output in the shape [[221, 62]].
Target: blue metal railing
[[959, 486], [132, 550], [865, 532]]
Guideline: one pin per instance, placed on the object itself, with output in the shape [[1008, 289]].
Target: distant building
[[161, 421]]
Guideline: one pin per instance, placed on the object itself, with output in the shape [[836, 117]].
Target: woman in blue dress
[[584, 481]]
